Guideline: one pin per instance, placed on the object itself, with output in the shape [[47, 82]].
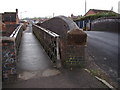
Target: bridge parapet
[[10, 46], [71, 40], [73, 48], [50, 42]]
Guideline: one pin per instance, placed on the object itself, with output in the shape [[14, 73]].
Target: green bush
[[95, 16]]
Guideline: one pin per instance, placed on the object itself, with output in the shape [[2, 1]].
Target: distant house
[[85, 21], [74, 17], [8, 22], [96, 11], [10, 17]]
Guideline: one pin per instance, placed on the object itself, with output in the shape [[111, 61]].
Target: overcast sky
[[46, 8]]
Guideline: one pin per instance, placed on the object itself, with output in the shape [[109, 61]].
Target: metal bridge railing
[[50, 42], [16, 35]]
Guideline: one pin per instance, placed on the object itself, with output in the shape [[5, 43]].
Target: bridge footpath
[[36, 70], [31, 54]]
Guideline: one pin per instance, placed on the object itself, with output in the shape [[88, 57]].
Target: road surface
[[103, 47]]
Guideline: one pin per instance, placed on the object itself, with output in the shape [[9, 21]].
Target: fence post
[[58, 53]]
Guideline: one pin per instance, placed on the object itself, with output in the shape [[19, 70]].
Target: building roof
[[9, 12], [99, 11]]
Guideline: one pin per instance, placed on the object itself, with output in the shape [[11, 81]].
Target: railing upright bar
[[58, 53]]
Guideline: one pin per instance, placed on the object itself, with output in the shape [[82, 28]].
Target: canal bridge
[[61, 42], [57, 43]]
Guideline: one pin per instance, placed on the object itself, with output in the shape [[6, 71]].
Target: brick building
[[92, 14], [10, 17], [96, 11], [9, 21]]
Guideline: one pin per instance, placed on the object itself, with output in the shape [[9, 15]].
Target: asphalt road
[[103, 47]]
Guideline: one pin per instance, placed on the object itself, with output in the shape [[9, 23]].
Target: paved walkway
[[31, 55], [36, 70]]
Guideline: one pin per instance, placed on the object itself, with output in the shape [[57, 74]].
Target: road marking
[[103, 81], [106, 83]]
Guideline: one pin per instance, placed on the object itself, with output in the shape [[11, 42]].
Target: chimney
[[17, 11]]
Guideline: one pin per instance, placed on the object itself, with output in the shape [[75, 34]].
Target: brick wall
[[71, 53], [8, 30], [10, 47], [106, 24], [72, 40], [10, 23], [8, 60], [47, 41], [73, 48], [56, 25]]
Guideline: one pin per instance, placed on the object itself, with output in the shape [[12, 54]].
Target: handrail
[[14, 34], [48, 31]]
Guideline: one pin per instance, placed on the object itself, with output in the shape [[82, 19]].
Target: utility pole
[[53, 14], [119, 7]]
